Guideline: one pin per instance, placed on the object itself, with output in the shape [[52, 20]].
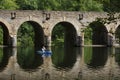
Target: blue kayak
[[40, 52], [46, 53]]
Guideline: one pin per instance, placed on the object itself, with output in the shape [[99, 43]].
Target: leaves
[[27, 4], [26, 35], [91, 5], [67, 5], [8, 4]]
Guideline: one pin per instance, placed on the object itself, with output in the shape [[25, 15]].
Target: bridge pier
[[13, 41], [111, 39], [47, 41], [79, 40], [82, 39]]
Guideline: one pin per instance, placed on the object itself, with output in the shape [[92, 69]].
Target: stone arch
[[39, 33], [100, 33], [26, 19], [6, 32], [6, 24], [75, 23], [70, 32]]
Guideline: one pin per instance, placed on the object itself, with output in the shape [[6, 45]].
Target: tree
[[8, 4], [48, 5], [114, 6], [27, 4], [90, 5]]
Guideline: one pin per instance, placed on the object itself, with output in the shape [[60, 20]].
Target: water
[[71, 63]]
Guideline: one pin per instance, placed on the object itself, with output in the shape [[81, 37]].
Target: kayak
[[45, 53], [40, 52]]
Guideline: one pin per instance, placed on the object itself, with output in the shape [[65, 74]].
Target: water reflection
[[64, 64], [28, 58], [46, 68], [63, 58], [12, 77], [117, 55], [5, 53], [96, 57]]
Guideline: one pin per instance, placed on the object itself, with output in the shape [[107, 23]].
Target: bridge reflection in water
[[71, 63]]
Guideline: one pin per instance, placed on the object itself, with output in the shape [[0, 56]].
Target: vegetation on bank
[[25, 35]]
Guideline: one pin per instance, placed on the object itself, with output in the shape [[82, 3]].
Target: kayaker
[[43, 49]]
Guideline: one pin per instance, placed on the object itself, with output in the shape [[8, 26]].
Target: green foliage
[[58, 42], [58, 35], [27, 4], [69, 5], [90, 5], [58, 31], [26, 35], [88, 35], [50, 5], [115, 5], [112, 6], [8, 4]]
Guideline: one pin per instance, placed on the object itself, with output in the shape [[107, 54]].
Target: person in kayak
[[45, 52]]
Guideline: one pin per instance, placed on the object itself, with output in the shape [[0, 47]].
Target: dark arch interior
[[68, 32], [117, 35], [99, 33], [5, 33], [38, 38]]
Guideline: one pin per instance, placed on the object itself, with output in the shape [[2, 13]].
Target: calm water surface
[[71, 63]]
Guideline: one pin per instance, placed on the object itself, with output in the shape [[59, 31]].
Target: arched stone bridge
[[44, 21]]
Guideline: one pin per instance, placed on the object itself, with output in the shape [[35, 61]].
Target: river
[[70, 63]]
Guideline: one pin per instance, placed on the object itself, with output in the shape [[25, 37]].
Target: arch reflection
[[95, 57], [28, 58], [117, 55], [5, 53], [63, 57]]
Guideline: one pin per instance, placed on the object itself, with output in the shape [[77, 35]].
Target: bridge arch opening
[[117, 35], [64, 33], [30, 33], [64, 39], [96, 34], [4, 35]]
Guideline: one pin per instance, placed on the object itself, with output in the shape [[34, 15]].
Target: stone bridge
[[43, 23]]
